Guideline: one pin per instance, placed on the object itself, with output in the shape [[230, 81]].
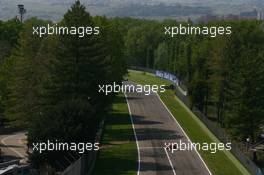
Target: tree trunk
[[255, 157]]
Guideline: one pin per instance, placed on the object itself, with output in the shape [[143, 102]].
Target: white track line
[[129, 110], [170, 161], [183, 133], [12, 149], [151, 147]]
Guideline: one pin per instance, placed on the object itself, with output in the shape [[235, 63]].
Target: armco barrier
[[6, 164], [212, 126]]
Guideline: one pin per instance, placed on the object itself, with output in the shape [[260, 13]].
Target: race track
[[153, 126], [13, 146]]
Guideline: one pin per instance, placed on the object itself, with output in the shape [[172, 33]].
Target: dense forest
[[49, 85], [223, 75], [53, 81]]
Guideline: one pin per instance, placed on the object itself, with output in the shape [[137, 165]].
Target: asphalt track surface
[[13, 146], [154, 126]]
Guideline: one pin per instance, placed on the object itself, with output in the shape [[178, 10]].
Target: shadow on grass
[[122, 119], [118, 119], [118, 126], [118, 135], [150, 166], [142, 134], [108, 166], [119, 155], [120, 100]]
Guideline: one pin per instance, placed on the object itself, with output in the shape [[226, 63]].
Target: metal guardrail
[[13, 167], [6, 164]]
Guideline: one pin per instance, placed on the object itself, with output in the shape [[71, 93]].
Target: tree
[[244, 108], [25, 81], [71, 102], [113, 41], [9, 34], [161, 57], [140, 43], [199, 87]]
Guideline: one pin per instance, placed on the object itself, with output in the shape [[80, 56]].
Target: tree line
[[49, 85], [223, 75]]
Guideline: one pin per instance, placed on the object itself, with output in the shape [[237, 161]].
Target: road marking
[[170, 161], [151, 147], [12, 149], [135, 134], [183, 132]]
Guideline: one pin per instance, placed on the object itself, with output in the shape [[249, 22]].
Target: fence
[[85, 164], [222, 136], [212, 126], [6, 164], [14, 167]]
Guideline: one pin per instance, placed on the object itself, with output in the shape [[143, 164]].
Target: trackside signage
[[172, 78], [167, 76]]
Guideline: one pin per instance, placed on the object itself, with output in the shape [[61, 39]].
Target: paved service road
[[13, 146], [154, 125]]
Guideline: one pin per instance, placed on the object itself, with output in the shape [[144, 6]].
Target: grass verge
[[219, 163], [118, 154]]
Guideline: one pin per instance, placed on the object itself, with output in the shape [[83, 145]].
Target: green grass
[[118, 154], [220, 163]]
